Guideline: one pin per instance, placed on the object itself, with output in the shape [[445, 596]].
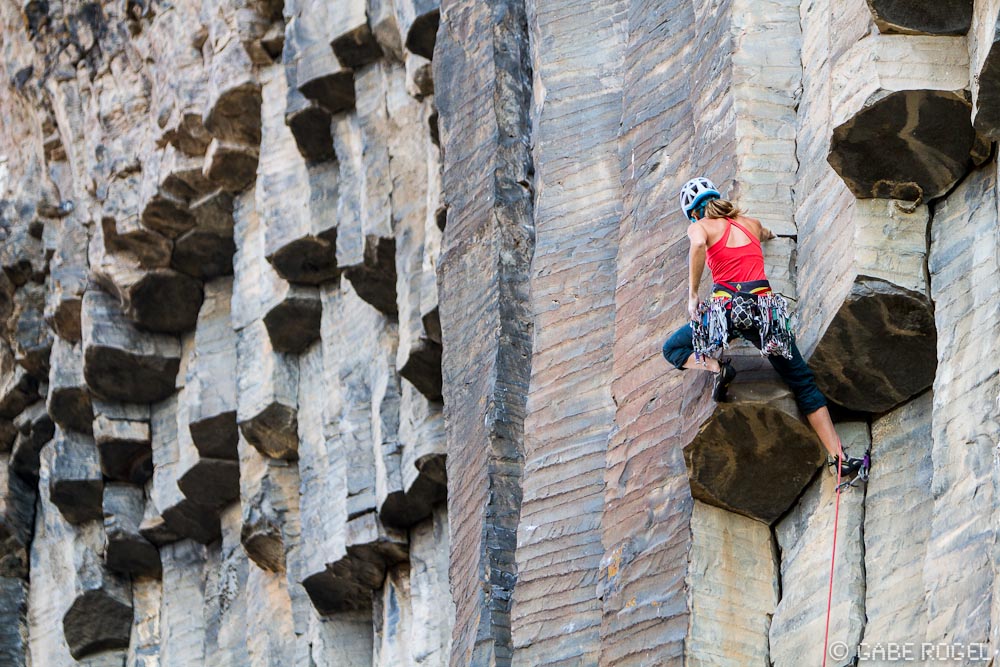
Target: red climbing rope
[[833, 558]]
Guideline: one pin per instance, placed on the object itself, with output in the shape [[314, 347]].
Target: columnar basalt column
[[483, 96]]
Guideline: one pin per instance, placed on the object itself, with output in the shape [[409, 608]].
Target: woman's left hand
[[693, 303]]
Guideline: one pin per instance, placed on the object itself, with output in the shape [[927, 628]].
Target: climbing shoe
[[850, 467], [723, 379]]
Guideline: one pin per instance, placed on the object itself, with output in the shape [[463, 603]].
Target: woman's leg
[[811, 401], [823, 425], [679, 351]]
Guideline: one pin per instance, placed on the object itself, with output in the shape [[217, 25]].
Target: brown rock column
[[483, 88], [557, 613]]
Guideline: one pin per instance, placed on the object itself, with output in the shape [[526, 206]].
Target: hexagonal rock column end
[[98, 620], [902, 127], [121, 362], [880, 348], [754, 454], [347, 583]]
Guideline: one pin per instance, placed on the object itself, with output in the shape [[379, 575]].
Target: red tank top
[[736, 265]]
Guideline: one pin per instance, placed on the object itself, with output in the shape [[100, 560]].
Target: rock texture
[[329, 332]]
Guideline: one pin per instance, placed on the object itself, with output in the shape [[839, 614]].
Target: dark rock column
[[483, 88]]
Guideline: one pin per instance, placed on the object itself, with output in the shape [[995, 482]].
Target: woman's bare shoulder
[[747, 221]]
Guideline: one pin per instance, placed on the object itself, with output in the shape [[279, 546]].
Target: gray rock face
[[122, 433], [922, 18], [127, 551], [297, 200], [31, 337], [727, 547], [211, 387], [425, 421], [171, 515], [898, 506], [68, 401], [18, 389], [13, 621], [965, 385], [484, 263], [119, 361], [267, 388], [805, 539], [75, 482]]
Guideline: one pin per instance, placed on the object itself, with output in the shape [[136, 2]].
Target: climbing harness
[[842, 485], [767, 312]]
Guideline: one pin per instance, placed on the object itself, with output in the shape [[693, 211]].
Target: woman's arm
[[696, 265], [765, 233]]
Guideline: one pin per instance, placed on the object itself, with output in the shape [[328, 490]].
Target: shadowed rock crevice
[[880, 348], [17, 516], [923, 17], [347, 583]]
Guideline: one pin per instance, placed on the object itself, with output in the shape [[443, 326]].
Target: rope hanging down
[[833, 558], [862, 477]]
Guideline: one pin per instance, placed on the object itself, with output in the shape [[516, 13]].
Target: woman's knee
[[678, 348], [809, 398]]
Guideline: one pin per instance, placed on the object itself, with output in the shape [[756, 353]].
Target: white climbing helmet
[[695, 192]]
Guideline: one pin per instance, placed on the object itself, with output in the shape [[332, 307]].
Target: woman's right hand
[[693, 303]]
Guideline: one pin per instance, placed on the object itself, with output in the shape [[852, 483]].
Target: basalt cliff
[[330, 332]]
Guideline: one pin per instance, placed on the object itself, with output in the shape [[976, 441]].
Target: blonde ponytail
[[721, 208]]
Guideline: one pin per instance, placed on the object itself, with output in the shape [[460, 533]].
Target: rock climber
[[730, 243]]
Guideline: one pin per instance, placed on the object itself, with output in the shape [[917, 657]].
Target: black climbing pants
[[795, 372]]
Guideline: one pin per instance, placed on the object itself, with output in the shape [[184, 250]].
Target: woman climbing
[[731, 245]]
